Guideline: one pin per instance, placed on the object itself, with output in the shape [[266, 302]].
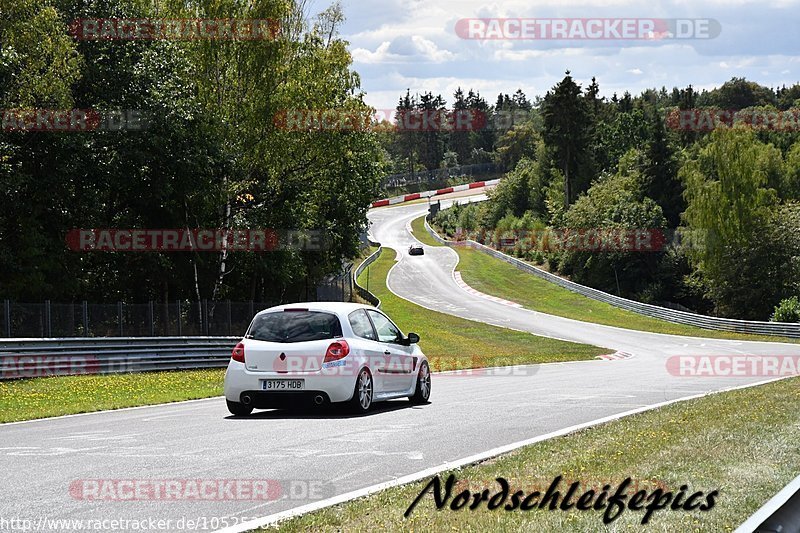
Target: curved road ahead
[[428, 281], [336, 453]]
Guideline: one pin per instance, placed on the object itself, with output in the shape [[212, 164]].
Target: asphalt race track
[[330, 454]]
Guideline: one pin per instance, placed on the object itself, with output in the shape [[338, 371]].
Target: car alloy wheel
[[362, 396], [423, 390]]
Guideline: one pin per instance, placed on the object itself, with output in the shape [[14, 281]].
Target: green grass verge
[[28, 399], [421, 234], [451, 342], [738, 443], [492, 276]]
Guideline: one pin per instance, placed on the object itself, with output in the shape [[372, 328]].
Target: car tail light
[[337, 350], [238, 353]]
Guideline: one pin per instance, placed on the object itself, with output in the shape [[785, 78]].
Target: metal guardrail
[[25, 358], [654, 311], [361, 291]]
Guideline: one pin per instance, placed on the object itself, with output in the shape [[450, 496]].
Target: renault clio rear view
[[322, 353]]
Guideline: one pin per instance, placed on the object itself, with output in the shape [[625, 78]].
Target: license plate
[[282, 384]]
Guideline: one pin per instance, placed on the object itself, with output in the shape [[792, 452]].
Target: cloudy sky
[[399, 44]]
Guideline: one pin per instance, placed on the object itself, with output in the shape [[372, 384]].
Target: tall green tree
[[567, 127], [212, 157], [459, 138], [661, 172], [731, 214], [614, 207], [738, 93], [615, 136], [517, 143], [481, 140], [431, 135], [791, 173], [404, 139]]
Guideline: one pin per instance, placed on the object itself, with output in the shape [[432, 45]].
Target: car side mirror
[[413, 338]]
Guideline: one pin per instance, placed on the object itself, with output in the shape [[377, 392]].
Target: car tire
[[422, 393], [238, 409], [363, 392]]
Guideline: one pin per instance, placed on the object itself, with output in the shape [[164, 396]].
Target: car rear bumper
[[334, 387], [268, 400]]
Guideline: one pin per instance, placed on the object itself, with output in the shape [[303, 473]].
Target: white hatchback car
[[324, 352]]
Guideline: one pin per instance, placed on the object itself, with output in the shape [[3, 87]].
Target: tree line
[[210, 155], [725, 198]]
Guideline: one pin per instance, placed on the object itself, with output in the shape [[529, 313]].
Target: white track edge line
[[770, 507]]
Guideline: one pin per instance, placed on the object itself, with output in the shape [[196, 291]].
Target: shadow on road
[[326, 411]]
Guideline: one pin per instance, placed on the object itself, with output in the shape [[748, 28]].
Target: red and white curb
[[616, 356], [464, 286], [437, 192]]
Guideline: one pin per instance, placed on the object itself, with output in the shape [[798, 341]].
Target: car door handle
[[387, 352]]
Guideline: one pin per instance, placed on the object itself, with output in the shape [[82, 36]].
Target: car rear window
[[295, 326]]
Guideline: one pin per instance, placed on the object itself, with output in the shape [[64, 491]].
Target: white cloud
[[403, 49], [430, 51], [517, 55], [362, 55], [401, 44]]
